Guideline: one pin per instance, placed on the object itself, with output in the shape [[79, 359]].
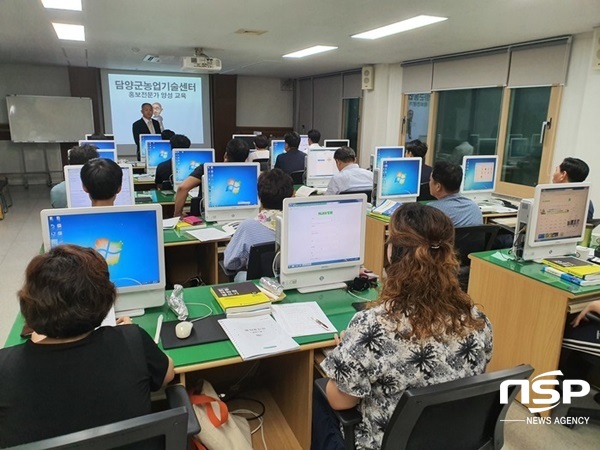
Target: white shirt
[[350, 178], [150, 126], [258, 154]]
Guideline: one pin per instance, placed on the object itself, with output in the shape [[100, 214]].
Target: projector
[[201, 64]]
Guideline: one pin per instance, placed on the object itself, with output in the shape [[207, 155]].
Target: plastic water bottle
[[595, 239], [271, 285]]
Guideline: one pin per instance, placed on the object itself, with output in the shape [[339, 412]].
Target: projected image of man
[[157, 114], [145, 125]]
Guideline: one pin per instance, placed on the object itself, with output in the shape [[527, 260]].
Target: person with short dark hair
[[418, 149], [261, 151], [273, 187], [293, 160], [350, 177], [74, 374], [101, 179], [145, 125], [314, 136], [236, 150], [76, 155], [444, 185], [166, 135], [573, 170], [164, 171]]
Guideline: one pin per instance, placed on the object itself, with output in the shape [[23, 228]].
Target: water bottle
[[271, 285]]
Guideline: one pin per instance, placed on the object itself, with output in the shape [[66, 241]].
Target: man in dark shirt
[[418, 149], [293, 160], [145, 125], [164, 171]]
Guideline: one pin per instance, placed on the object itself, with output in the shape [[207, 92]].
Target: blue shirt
[[248, 233], [58, 195], [463, 211], [350, 178]]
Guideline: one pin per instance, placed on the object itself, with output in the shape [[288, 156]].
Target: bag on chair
[[219, 429]]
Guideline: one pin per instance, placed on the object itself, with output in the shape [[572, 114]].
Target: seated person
[[573, 170], [314, 136], [444, 185], [350, 177], [293, 160], [261, 142], [418, 149], [423, 330], [273, 187], [593, 307], [164, 171], [73, 374], [101, 179], [236, 150], [76, 155]]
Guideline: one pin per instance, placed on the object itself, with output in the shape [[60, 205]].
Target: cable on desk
[[255, 414]]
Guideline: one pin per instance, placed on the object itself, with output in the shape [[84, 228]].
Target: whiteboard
[[36, 118]]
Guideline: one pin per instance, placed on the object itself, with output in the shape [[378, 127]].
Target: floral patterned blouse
[[376, 363]]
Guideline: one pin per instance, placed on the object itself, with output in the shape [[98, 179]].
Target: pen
[[318, 322], [159, 323]]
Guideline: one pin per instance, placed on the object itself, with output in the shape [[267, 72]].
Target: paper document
[[257, 336], [302, 319], [169, 224], [208, 234]]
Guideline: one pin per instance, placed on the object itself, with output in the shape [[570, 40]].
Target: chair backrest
[[424, 193], [171, 424], [460, 414], [473, 239], [260, 261], [368, 192], [264, 163], [298, 176]]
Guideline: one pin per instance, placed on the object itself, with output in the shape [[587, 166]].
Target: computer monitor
[[320, 166], [322, 241], [144, 139], [336, 143], [106, 137], [185, 160], [247, 138], [230, 191], [106, 149], [107, 154], [78, 198], [479, 177], [387, 152], [157, 152], [303, 147], [399, 179], [277, 148], [552, 222], [130, 238]]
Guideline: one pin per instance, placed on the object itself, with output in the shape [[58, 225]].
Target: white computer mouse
[[183, 329]]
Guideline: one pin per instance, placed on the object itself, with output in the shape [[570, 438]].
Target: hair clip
[[435, 247]]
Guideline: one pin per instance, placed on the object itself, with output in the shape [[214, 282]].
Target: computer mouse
[[184, 329]]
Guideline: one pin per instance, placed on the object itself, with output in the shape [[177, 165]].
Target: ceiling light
[[399, 27], [71, 5], [69, 32], [310, 51]]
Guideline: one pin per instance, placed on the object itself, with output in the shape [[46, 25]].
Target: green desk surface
[[178, 237], [158, 196], [532, 270], [337, 305]]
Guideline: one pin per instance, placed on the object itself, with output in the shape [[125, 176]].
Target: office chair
[[461, 414], [176, 424], [298, 176], [424, 193], [467, 240], [260, 261], [264, 164], [368, 192]]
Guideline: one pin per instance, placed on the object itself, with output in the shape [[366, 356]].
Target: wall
[[261, 102]]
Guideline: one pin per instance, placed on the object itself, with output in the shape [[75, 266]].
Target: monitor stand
[[321, 287], [133, 303], [130, 313]]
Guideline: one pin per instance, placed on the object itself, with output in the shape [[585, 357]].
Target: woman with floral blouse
[[423, 330]]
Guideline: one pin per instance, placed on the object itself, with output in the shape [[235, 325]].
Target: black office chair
[[368, 193], [469, 240], [260, 261], [264, 164], [298, 176], [424, 193], [462, 414], [176, 425]]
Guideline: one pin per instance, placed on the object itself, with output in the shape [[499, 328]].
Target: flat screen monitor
[[108, 154], [186, 160], [303, 147], [157, 152], [230, 191], [387, 152], [336, 143], [479, 176], [277, 148], [144, 139], [101, 144], [320, 166], [553, 222], [247, 138], [78, 198], [129, 238], [399, 179], [310, 232], [106, 137]]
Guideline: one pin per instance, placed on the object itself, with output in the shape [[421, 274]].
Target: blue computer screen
[[186, 161], [387, 152], [277, 148], [102, 145], [158, 151], [400, 177], [126, 240], [232, 185], [479, 173], [107, 154], [144, 139]]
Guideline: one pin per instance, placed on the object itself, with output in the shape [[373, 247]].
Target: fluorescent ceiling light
[[71, 5], [310, 51], [399, 27], [69, 32]]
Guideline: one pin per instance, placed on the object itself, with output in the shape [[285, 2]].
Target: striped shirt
[[248, 233], [463, 211]]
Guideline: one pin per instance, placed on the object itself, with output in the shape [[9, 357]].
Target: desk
[[284, 381], [376, 231], [527, 309], [167, 201], [143, 185]]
